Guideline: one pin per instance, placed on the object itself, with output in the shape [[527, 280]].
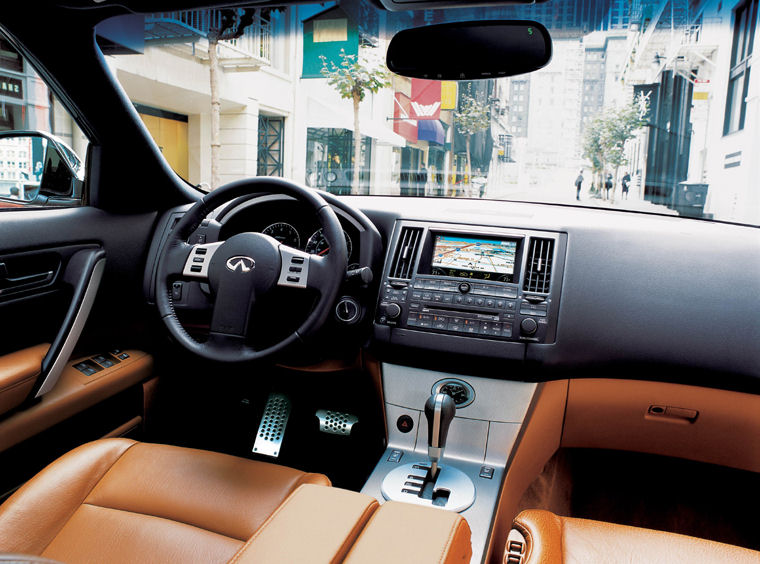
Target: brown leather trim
[[123, 429], [150, 389], [73, 393], [32, 517], [335, 517], [613, 414], [116, 500], [401, 532], [539, 440], [552, 539], [18, 373]]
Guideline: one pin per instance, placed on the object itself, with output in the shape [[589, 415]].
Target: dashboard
[[465, 279]]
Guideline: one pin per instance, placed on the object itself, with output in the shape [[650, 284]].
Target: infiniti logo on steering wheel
[[241, 264]]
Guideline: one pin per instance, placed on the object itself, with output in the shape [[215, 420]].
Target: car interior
[[274, 372]]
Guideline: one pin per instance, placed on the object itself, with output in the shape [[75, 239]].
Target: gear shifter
[[439, 410]]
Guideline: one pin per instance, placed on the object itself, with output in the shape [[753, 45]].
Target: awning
[[321, 115], [431, 130]]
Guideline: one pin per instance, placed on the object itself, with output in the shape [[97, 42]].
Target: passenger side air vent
[[538, 272], [406, 251]]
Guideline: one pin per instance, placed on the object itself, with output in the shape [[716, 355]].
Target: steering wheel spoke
[[301, 270], [198, 260]]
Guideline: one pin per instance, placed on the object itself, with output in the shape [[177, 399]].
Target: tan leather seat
[[116, 500], [541, 537]]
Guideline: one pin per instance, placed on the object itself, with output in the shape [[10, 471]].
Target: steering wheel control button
[[404, 424], [294, 276], [395, 456], [465, 287], [197, 266]]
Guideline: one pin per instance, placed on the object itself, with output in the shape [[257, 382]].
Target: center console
[[469, 289], [451, 454]]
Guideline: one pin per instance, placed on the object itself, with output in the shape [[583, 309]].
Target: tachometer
[[284, 233], [317, 244]]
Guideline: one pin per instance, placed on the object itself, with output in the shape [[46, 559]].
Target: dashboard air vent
[[539, 268], [406, 251]]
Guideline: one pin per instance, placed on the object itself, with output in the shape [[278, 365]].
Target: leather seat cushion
[[554, 539], [118, 500]]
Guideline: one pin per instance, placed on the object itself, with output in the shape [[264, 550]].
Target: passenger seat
[[541, 537]]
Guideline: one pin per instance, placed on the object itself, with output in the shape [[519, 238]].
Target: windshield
[[645, 106]]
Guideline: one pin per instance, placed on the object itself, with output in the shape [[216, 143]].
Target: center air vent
[[539, 268], [406, 251]]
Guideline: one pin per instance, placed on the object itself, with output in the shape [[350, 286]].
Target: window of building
[[326, 31], [745, 22]]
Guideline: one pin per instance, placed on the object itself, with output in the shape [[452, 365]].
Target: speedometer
[[284, 233], [318, 245]]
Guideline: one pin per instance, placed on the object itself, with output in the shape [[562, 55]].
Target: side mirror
[[39, 169]]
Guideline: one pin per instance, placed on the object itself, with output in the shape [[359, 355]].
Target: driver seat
[[117, 500]]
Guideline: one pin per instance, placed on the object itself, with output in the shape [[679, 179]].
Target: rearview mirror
[[37, 168], [470, 50]]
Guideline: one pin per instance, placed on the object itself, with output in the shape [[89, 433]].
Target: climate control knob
[[528, 326], [392, 310]]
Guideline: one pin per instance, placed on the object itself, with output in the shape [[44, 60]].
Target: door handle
[[19, 283]]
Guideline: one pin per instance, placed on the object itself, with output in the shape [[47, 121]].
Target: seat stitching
[[358, 528], [449, 542], [164, 518], [84, 498], [261, 529]]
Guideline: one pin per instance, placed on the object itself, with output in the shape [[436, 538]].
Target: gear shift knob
[[439, 410]]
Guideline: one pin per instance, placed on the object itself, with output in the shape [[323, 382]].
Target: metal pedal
[[272, 427], [335, 422]]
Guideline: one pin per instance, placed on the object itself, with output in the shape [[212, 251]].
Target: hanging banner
[[407, 128], [448, 95], [426, 99]]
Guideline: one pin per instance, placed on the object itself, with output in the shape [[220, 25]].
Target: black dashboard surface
[[637, 288]]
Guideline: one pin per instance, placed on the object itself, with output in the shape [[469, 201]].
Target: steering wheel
[[243, 270]]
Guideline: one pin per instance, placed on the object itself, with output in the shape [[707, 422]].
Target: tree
[[353, 78], [604, 140], [593, 151], [470, 119], [230, 24]]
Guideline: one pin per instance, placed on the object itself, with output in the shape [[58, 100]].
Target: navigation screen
[[467, 257]]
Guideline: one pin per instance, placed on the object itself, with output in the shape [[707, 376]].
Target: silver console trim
[[483, 433], [451, 479]]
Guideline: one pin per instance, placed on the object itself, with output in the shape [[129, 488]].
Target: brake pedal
[[272, 427], [335, 422]]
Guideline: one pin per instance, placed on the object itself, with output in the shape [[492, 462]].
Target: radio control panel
[[499, 286]]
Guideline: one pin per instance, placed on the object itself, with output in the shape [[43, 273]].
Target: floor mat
[[655, 492]]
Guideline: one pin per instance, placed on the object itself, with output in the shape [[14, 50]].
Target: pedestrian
[[626, 181], [607, 187], [578, 184]]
